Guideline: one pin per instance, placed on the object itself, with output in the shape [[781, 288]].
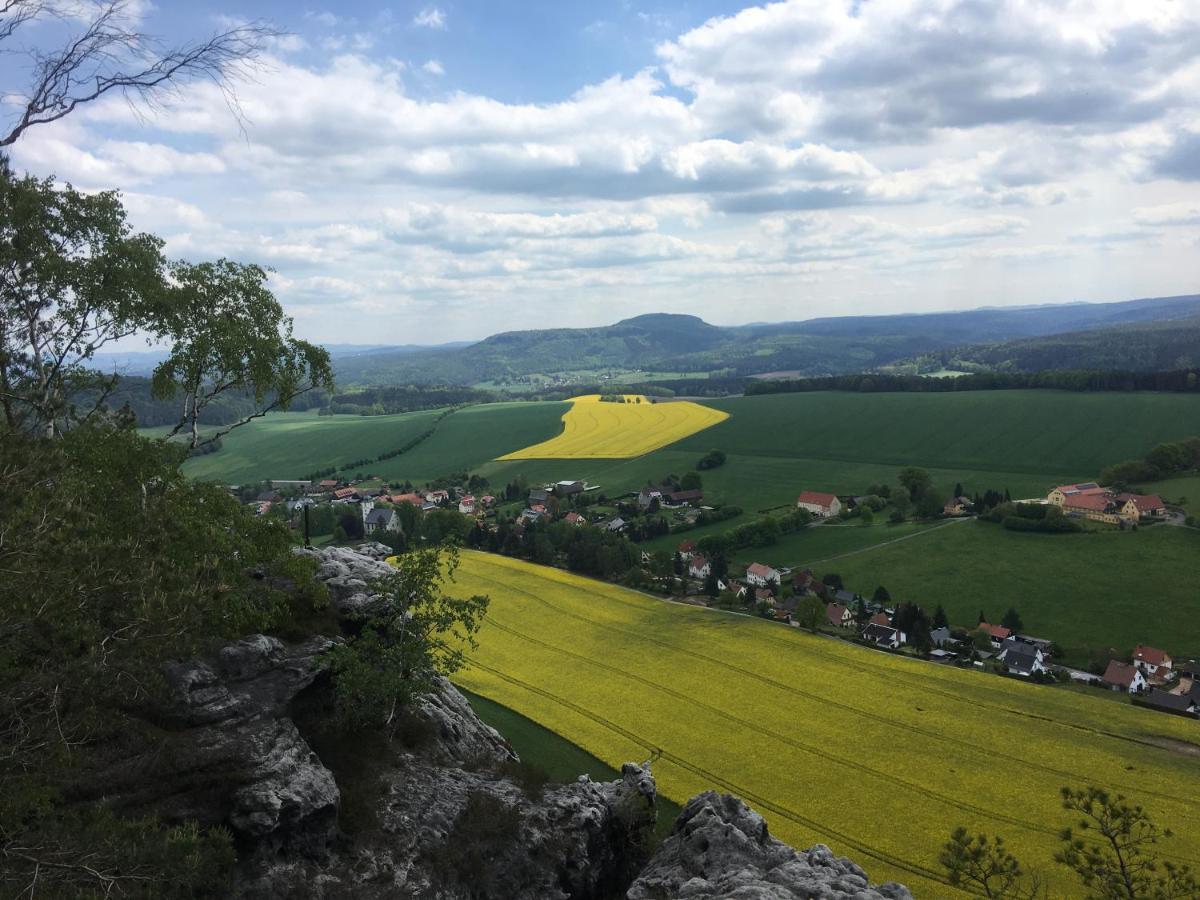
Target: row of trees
[[1164, 461], [1087, 380]]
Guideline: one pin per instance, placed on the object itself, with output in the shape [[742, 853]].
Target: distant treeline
[[1164, 461], [133, 391], [377, 401], [1180, 380], [672, 387]]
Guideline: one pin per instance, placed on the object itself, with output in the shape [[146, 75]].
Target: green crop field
[[1095, 590], [1047, 434], [824, 545], [291, 445], [876, 755]]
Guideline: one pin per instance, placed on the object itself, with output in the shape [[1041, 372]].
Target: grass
[[594, 429], [1086, 591], [822, 543], [292, 445], [563, 761], [876, 755], [1172, 490]]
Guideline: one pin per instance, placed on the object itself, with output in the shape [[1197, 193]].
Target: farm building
[[957, 506], [1163, 701], [819, 504], [1091, 501], [568, 488], [760, 575]]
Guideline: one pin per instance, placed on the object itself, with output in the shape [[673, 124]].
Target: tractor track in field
[[924, 683], [854, 766], [759, 801]]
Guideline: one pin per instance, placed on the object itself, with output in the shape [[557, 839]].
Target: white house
[[1154, 662], [466, 505], [382, 519], [819, 504], [1022, 659], [1121, 676], [698, 566], [760, 575]]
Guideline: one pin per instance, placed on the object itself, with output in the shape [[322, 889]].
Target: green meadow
[[1087, 591]]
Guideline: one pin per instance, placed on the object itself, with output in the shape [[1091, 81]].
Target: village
[[508, 521]]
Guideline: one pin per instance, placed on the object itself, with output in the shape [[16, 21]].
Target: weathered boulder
[[348, 573], [256, 676], [459, 736], [223, 752], [720, 848]]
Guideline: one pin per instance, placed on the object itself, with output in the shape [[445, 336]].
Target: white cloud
[[430, 17], [433, 67], [1182, 213]]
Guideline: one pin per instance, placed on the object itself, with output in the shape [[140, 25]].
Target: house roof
[[343, 493], [1083, 487], [940, 635], [1143, 502], [880, 634], [1119, 673], [680, 496], [380, 516], [998, 632], [835, 612], [414, 499], [1022, 658], [686, 546], [880, 619], [1096, 502], [846, 597], [817, 498], [761, 571], [1165, 700], [698, 561], [573, 517], [1152, 656], [763, 594]]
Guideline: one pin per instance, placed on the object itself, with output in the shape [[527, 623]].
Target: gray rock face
[[258, 675], [227, 754], [348, 573], [461, 737], [720, 848]]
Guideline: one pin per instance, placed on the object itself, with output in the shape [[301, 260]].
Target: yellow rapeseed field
[[878, 756], [593, 429]]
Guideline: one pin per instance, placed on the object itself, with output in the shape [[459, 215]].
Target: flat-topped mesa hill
[[439, 810]]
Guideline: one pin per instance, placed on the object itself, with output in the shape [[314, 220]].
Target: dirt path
[[907, 537]]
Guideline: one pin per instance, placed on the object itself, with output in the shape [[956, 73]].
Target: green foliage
[[977, 862], [75, 278], [412, 634], [711, 460], [230, 334], [123, 563], [1111, 850], [916, 481], [810, 612]]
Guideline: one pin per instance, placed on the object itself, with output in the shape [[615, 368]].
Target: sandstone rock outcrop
[[720, 848]]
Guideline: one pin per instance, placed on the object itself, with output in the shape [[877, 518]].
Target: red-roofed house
[[345, 494], [414, 499], [760, 575], [698, 566], [1141, 506], [1154, 662], [880, 619], [1121, 676], [819, 504], [998, 633], [838, 615], [488, 501], [466, 505], [1060, 494], [574, 518], [686, 547]]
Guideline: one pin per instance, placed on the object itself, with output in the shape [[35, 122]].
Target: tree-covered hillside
[[680, 343]]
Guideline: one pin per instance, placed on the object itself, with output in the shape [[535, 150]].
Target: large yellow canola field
[[593, 429], [880, 757]]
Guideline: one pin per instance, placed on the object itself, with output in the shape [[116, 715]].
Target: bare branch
[[110, 56]]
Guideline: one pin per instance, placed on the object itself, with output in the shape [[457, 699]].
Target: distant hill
[[1135, 346], [681, 343]]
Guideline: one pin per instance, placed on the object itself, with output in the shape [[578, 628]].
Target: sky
[[429, 172]]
